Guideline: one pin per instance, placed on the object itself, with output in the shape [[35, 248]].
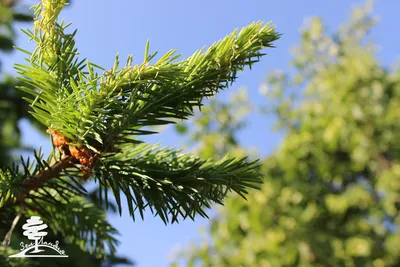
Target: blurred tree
[[331, 195], [12, 106]]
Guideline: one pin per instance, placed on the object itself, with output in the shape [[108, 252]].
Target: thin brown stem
[[35, 182], [7, 239], [52, 172]]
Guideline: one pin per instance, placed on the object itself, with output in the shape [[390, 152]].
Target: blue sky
[[108, 27]]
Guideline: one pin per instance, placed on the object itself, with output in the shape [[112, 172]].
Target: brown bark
[[52, 172], [35, 182]]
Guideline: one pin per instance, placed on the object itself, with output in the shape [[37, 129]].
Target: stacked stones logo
[[39, 248]]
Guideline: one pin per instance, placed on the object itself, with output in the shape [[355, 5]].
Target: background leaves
[[331, 193]]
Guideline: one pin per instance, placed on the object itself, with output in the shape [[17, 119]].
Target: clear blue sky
[[108, 27]]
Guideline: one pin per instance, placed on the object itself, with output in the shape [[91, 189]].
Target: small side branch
[[7, 239], [54, 171], [35, 182]]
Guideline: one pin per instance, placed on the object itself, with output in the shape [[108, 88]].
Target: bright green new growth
[[107, 112]]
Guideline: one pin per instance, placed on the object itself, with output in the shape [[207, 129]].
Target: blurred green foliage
[[12, 109], [331, 195], [12, 106]]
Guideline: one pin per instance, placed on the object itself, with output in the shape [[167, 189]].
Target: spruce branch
[[16, 185], [49, 190], [52, 172], [101, 110], [172, 184], [96, 117], [80, 222]]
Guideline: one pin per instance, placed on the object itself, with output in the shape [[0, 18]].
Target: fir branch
[[16, 186], [104, 114], [82, 223], [101, 110], [99, 116], [52, 172], [44, 190], [172, 184], [78, 222]]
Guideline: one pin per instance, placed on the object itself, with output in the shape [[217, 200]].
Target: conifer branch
[[28, 182], [173, 184], [99, 116], [54, 171]]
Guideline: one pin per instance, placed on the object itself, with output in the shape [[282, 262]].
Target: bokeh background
[[241, 120]]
